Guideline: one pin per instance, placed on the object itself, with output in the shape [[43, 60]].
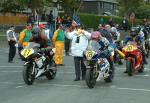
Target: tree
[[15, 5], [126, 7], [71, 6], [143, 12], [10, 5]]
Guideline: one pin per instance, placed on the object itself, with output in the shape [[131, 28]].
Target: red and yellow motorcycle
[[133, 57]]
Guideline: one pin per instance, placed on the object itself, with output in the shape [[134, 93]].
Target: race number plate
[[27, 52]]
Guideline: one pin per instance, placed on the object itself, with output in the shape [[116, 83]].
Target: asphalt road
[[63, 89]]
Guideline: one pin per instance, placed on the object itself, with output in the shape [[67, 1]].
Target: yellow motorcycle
[[37, 63]]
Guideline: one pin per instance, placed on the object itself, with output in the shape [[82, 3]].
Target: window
[[101, 4]]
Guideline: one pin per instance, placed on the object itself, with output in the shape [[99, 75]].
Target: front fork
[[33, 66]]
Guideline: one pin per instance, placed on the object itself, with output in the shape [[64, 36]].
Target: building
[[99, 6]]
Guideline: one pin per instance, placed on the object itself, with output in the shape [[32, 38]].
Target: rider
[[138, 39], [140, 32], [40, 38], [115, 34], [104, 47], [116, 39]]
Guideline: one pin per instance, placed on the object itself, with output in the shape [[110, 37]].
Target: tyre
[[111, 76], [52, 70], [129, 67], [147, 53], [90, 80], [28, 77], [141, 69]]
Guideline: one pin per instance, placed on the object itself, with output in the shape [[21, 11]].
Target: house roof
[[111, 1]]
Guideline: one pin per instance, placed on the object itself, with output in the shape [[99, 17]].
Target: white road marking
[[11, 71], [79, 86], [19, 86], [134, 89], [65, 85], [11, 66], [10, 83]]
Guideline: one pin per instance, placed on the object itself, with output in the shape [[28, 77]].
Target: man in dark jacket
[[125, 24], [11, 41]]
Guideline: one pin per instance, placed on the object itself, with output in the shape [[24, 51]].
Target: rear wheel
[[129, 67], [28, 77]]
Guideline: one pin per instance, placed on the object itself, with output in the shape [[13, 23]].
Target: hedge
[[93, 20]]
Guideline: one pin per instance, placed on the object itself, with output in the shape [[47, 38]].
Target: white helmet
[[113, 29]]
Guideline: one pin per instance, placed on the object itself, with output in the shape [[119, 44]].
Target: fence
[[15, 20]]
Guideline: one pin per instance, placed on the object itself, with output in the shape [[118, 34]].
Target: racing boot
[[144, 59]]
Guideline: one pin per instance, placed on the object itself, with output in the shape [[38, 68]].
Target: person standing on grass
[[12, 40]]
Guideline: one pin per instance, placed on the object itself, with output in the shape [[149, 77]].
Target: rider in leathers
[[138, 39], [105, 48], [45, 45]]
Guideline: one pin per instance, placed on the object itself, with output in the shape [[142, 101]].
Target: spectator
[[110, 22], [24, 36], [31, 20], [66, 19], [50, 17], [79, 44], [12, 42], [59, 20], [48, 34], [101, 21], [50, 22], [43, 17], [58, 41], [125, 24]]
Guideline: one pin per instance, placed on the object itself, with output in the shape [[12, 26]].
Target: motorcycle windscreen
[[32, 45], [93, 45], [92, 49]]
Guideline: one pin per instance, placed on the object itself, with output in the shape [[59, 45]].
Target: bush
[[143, 12], [93, 20]]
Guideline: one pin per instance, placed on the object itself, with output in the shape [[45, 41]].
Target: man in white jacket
[[79, 44]]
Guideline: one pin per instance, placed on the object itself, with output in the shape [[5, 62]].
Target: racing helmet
[[36, 32], [133, 31], [95, 35]]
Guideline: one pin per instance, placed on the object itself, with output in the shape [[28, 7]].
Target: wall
[[15, 20]]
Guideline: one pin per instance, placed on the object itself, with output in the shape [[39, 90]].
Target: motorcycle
[[134, 58], [96, 64], [117, 58], [36, 60], [147, 47]]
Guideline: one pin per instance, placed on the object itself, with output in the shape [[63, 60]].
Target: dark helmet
[[133, 31], [36, 32]]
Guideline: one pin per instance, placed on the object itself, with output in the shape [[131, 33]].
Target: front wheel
[[28, 77], [111, 75], [52, 70], [90, 78], [147, 53], [129, 67], [142, 68]]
